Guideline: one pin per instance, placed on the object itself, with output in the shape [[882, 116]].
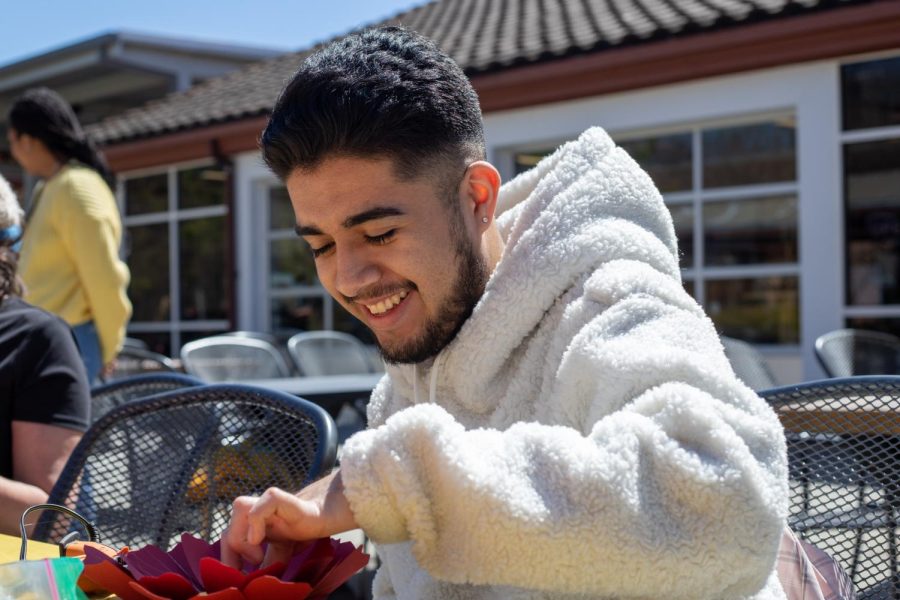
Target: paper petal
[[108, 575], [226, 594], [270, 588], [151, 561], [274, 570], [194, 549], [143, 593], [217, 576], [169, 585], [310, 564], [351, 561]]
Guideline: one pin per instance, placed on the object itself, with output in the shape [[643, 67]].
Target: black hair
[[384, 92], [45, 115]]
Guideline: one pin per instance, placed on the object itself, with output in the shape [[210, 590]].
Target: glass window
[[281, 213], [750, 231], [292, 315], [291, 264], [749, 154], [870, 93], [689, 287], [204, 186], [885, 325], [683, 218], [525, 160], [202, 250], [761, 310], [667, 159], [158, 342], [872, 192], [147, 194], [148, 260]]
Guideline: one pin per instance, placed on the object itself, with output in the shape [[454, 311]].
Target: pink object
[[193, 567], [809, 573]]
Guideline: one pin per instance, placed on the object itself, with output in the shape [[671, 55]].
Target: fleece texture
[[583, 436]]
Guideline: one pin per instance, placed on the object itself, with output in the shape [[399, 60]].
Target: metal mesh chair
[[848, 352], [116, 393], [748, 364], [171, 463], [844, 462], [329, 353], [132, 360], [233, 358]]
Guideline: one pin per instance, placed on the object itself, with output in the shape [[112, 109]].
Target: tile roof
[[481, 35]]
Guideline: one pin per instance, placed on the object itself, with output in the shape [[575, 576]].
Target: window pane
[[748, 154], [291, 264], [872, 184], [870, 93], [201, 187], [190, 336], [526, 160], [201, 252], [762, 311], [667, 159], [156, 341], [281, 213], [292, 315], [689, 287], [885, 325], [683, 218], [750, 231], [147, 194], [148, 260]]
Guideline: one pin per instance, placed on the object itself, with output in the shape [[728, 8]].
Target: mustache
[[380, 291]]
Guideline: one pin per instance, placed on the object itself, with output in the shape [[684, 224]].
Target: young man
[[558, 417]]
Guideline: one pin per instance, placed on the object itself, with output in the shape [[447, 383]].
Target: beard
[[457, 307]]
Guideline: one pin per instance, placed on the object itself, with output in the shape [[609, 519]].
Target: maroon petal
[[169, 585], [311, 563], [151, 561], [274, 570], [350, 561]]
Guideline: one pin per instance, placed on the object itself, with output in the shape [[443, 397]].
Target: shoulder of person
[[37, 321]]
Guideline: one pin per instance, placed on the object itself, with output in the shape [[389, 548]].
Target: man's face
[[396, 254]]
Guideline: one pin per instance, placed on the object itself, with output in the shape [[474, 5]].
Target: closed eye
[[381, 239], [317, 252]]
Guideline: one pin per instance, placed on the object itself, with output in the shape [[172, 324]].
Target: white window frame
[[172, 216]]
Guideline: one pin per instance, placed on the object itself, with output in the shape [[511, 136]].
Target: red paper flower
[[193, 567]]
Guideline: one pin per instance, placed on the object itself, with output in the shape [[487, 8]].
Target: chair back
[[848, 352], [329, 353], [171, 463], [233, 358], [132, 360], [748, 364], [107, 396], [843, 438]]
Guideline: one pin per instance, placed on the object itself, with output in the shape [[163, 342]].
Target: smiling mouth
[[383, 306]]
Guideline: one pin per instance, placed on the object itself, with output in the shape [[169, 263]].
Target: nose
[[354, 272]]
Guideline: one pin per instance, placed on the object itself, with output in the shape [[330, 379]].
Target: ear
[[480, 189]]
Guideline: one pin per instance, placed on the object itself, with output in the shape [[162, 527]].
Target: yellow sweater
[[70, 262]]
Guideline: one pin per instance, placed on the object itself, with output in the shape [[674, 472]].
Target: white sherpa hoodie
[[584, 434]]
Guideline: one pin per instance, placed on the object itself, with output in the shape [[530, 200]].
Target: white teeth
[[386, 304]]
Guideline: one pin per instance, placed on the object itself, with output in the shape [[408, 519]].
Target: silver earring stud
[[484, 219]]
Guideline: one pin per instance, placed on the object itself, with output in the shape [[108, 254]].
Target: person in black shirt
[[44, 394]]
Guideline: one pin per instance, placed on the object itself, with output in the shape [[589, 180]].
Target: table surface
[[856, 416], [313, 386], [9, 549]]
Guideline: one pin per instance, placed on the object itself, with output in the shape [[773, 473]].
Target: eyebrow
[[380, 212]]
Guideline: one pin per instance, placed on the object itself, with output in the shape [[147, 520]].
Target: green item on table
[[45, 579]]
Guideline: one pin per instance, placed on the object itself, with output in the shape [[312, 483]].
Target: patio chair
[[843, 439], [233, 358], [748, 364], [318, 353], [116, 393], [174, 462], [271, 338], [132, 360], [848, 352]]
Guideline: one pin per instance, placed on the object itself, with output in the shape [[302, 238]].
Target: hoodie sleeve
[[678, 485], [662, 475]]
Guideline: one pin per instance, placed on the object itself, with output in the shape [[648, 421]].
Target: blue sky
[[34, 26]]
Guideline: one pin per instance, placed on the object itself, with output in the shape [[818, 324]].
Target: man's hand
[[283, 519]]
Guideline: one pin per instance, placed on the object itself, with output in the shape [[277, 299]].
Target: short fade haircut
[[384, 92]]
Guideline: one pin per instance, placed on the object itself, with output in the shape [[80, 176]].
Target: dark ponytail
[[45, 115]]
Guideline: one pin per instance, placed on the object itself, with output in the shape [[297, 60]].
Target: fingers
[[235, 545]]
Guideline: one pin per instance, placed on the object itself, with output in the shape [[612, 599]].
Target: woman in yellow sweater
[[69, 261]]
